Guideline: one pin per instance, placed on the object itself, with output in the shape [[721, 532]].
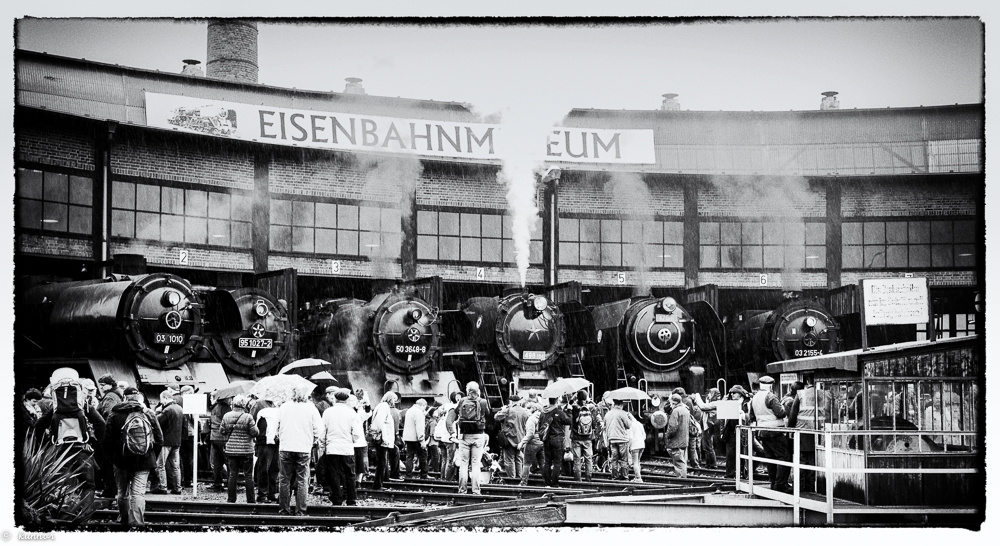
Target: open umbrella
[[322, 376], [281, 388], [306, 367], [565, 386], [234, 388], [628, 393]]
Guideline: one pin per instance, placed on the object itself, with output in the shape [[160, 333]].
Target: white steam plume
[[631, 197]]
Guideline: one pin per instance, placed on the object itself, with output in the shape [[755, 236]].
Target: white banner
[[376, 134]]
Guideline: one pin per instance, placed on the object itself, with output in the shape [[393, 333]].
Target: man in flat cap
[[767, 411]]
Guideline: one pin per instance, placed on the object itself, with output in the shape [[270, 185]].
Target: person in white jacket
[[343, 431], [361, 445], [636, 443], [414, 428], [384, 433], [299, 428]]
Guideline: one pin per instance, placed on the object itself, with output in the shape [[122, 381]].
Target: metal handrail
[[829, 470]]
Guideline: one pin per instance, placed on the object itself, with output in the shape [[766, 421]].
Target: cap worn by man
[[766, 380], [130, 391], [342, 395]]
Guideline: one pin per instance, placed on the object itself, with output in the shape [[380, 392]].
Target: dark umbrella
[[306, 367]]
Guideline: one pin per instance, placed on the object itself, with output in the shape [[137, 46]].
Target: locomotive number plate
[[411, 349], [533, 356], [660, 317], [808, 352], [254, 343], [169, 339]]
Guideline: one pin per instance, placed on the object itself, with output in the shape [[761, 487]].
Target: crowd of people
[[324, 442]]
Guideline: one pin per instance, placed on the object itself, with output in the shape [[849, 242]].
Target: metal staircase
[[574, 365], [622, 380], [489, 381]]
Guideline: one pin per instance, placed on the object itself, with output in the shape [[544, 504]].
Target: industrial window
[[960, 155], [177, 215], [909, 244], [621, 243], [55, 202], [471, 237], [334, 228], [762, 245], [949, 326], [922, 404]]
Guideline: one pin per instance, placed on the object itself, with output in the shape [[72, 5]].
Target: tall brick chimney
[[232, 50]]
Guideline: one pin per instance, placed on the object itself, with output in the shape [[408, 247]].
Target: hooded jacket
[[114, 441], [171, 418], [558, 423]]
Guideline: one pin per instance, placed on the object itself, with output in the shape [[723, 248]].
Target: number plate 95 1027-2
[[169, 339], [254, 343]]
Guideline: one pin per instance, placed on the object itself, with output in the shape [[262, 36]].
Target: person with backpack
[[554, 432], [531, 445], [133, 436], [512, 418], [70, 403], [472, 412], [240, 430], [168, 469], [586, 426], [616, 436]]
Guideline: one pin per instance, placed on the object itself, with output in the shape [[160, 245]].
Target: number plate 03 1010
[[169, 339]]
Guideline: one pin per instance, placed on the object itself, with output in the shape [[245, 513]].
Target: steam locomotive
[[144, 323], [392, 342], [263, 341], [796, 328], [653, 343], [523, 341]]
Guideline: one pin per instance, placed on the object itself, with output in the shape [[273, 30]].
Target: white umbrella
[[565, 386], [281, 388], [234, 388], [323, 376], [628, 393]]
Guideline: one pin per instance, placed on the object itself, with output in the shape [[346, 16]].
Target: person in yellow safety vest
[[808, 412], [767, 411]]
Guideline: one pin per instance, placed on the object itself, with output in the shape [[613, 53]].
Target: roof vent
[[353, 87], [829, 101], [191, 68], [670, 102]]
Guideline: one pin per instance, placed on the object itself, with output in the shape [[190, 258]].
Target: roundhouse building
[[318, 194]]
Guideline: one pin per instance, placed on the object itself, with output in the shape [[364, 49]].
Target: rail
[[828, 504]]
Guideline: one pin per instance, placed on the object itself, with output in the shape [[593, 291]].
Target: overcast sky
[[755, 64]]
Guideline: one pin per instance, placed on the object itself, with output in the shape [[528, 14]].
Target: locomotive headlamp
[[171, 298], [415, 315], [261, 309], [668, 304], [811, 322], [655, 401], [539, 303]]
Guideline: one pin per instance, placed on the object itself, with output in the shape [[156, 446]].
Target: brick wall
[[323, 267], [934, 278], [909, 197], [620, 193], [183, 160], [468, 273], [329, 177], [451, 190], [751, 279], [62, 146], [54, 246], [774, 196], [198, 258], [609, 277]]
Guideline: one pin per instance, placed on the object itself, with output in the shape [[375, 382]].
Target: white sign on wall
[[365, 133], [895, 301]]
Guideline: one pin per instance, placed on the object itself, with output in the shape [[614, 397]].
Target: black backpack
[[471, 417]]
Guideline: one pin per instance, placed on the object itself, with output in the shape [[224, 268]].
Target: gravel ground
[[205, 494]]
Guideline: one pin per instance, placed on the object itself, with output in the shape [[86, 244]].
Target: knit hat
[[108, 380], [33, 394]]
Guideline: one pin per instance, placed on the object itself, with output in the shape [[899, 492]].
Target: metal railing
[[827, 505]]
